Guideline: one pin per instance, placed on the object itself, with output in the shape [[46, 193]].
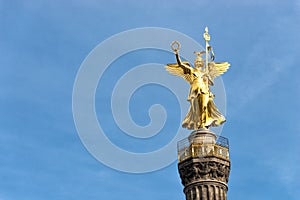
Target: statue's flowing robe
[[203, 111]]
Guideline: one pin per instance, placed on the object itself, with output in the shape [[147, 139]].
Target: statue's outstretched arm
[[175, 47], [178, 58]]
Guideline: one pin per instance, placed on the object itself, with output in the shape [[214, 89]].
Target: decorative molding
[[204, 171]]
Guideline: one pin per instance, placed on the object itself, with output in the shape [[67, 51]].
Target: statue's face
[[199, 63]]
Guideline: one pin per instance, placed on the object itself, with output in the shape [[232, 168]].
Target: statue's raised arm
[[182, 69]]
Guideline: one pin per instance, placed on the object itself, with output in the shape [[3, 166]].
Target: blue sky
[[42, 45]]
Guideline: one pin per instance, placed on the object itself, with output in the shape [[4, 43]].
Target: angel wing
[[184, 70], [217, 68]]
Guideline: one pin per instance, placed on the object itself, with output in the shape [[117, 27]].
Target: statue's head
[[199, 61]]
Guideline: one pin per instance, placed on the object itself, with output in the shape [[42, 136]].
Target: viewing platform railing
[[218, 148]]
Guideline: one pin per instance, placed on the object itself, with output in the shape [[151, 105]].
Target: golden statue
[[203, 112]]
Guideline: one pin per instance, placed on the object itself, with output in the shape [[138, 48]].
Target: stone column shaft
[[204, 167]]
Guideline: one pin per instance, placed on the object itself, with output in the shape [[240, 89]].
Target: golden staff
[[206, 37]]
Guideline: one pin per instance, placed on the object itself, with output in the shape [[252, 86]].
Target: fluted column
[[204, 169]]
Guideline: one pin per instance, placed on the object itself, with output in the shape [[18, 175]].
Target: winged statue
[[203, 112]]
